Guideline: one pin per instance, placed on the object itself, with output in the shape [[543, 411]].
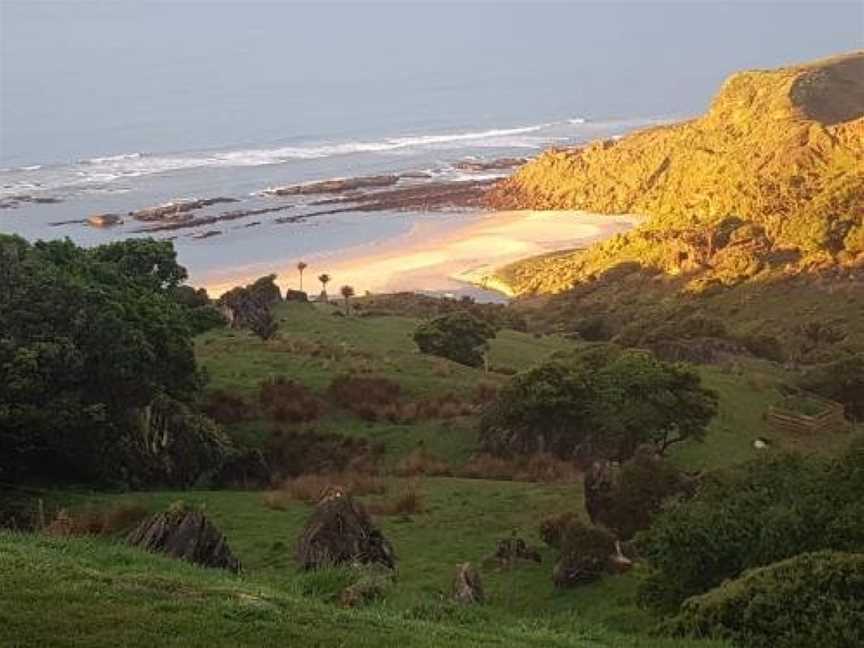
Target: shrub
[[814, 599], [626, 498], [554, 527], [585, 555], [227, 408], [369, 397], [842, 381], [295, 452], [287, 401], [459, 337], [750, 516]]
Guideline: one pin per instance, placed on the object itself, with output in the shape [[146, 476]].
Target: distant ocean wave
[[91, 174]]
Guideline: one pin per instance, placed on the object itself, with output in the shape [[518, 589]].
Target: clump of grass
[[91, 521], [411, 502], [422, 462], [309, 488], [370, 397], [544, 468], [287, 401]]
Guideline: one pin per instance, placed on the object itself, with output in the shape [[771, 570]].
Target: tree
[[347, 294], [598, 403], [88, 340], [301, 266], [842, 380], [458, 336], [324, 279]]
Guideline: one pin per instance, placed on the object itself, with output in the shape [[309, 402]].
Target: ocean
[[112, 107]]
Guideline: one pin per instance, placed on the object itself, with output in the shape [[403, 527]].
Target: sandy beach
[[444, 258]]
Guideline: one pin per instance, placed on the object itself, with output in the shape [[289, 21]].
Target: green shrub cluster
[[813, 599], [751, 516]]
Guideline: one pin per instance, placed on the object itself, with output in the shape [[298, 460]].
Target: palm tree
[[347, 294], [324, 279], [300, 268]]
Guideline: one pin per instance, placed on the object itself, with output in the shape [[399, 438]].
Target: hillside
[[783, 148], [755, 215], [100, 594]]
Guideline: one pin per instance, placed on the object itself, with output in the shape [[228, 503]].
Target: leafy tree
[[458, 336], [601, 402], [842, 381], [347, 294], [88, 339]]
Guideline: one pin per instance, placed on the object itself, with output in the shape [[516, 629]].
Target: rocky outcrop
[[340, 531], [104, 220], [467, 588], [185, 534], [498, 164], [338, 185], [176, 210]]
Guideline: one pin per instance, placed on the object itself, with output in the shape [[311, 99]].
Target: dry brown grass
[[96, 522], [287, 401], [422, 462], [537, 468], [309, 488], [411, 502]]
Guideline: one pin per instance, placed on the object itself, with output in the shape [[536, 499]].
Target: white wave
[[98, 172], [113, 158], [32, 167]]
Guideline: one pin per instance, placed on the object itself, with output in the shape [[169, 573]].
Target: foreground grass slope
[[92, 593]]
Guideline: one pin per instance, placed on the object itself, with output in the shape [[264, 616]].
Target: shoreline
[[443, 256]]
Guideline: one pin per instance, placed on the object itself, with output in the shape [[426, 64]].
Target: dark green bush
[[459, 337], [585, 555], [814, 599], [842, 381], [751, 516]]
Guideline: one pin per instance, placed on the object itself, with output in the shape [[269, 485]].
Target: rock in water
[[340, 531], [185, 534], [467, 586]]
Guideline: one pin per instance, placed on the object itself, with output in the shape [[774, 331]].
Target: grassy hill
[[102, 593], [755, 217], [91, 593]]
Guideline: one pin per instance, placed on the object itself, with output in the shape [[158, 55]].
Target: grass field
[[104, 594], [110, 595]]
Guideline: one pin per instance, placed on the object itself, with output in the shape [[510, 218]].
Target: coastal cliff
[[754, 219], [781, 148]]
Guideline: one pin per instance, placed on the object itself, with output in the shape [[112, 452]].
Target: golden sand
[[431, 258]]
